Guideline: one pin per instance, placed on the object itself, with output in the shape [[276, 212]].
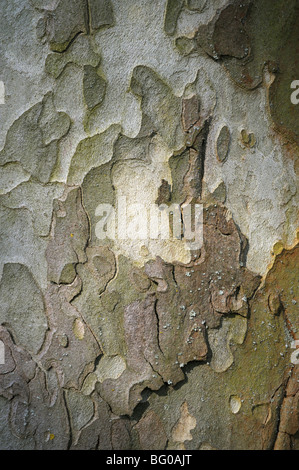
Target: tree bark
[[149, 225]]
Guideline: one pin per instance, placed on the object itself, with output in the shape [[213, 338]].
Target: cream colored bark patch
[[187, 422], [111, 368], [108, 368], [235, 404], [78, 328]]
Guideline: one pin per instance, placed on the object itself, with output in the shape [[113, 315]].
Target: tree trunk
[[149, 216]]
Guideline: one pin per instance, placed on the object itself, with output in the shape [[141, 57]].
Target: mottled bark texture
[[149, 343]]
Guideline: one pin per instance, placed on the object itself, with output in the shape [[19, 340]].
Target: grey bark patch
[[94, 87], [53, 125], [81, 408], [97, 189], [73, 349], [80, 53], [65, 23], [196, 5], [32, 139], [101, 13], [37, 198], [90, 154], [69, 235], [173, 9], [160, 104], [185, 45], [22, 307]]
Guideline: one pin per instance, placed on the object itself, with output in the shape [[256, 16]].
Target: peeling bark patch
[[283, 278], [71, 18], [244, 36], [223, 142], [22, 307], [235, 404], [196, 5], [32, 139], [69, 235], [284, 113], [172, 12], [161, 323], [190, 112], [151, 432], [101, 13], [280, 292], [94, 87], [81, 409], [159, 104], [71, 349], [78, 328], [236, 42], [225, 35], [182, 430], [247, 139], [115, 345], [164, 193]]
